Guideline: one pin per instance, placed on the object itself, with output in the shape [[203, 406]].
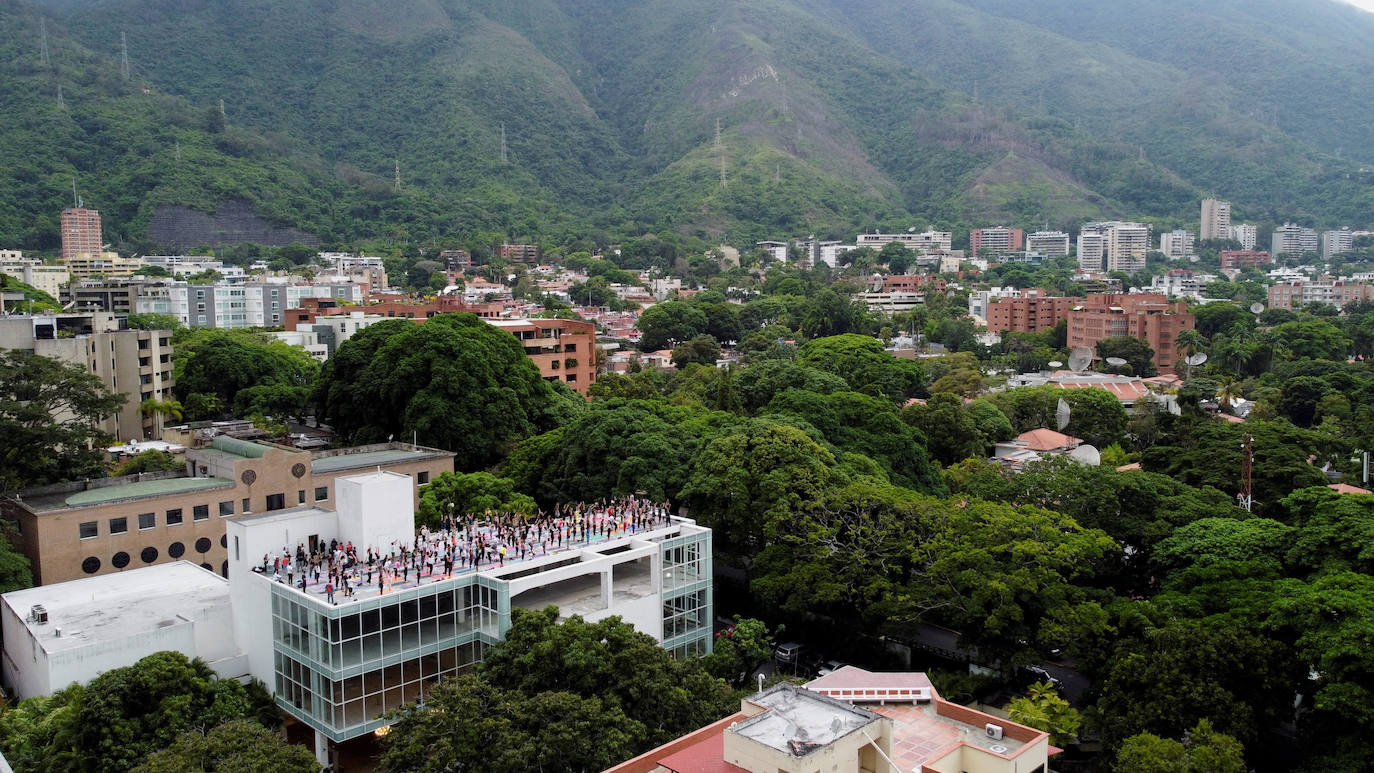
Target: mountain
[[734, 119]]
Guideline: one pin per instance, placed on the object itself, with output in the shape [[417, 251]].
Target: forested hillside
[[550, 118]]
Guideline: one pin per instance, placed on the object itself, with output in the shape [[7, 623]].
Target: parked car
[[1039, 674], [830, 667], [788, 653]]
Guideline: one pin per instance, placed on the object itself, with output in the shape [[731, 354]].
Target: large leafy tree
[[862, 362], [454, 382], [48, 415], [665, 325], [462, 493], [127, 713], [1202, 750], [1136, 352], [237, 746], [761, 381], [235, 367], [553, 696]]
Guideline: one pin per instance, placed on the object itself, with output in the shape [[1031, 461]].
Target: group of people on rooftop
[[463, 542]]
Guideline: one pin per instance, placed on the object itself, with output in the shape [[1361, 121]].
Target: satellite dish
[[911, 230], [1197, 359], [1256, 308], [1061, 414], [1055, 364], [1115, 362], [1080, 358], [1086, 455]]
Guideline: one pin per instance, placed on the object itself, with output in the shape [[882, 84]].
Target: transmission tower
[[398, 174], [61, 103], [124, 55], [504, 157], [43, 41], [720, 151], [1247, 459], [177, 151]]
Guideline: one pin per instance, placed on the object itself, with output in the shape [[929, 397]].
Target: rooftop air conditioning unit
[[40, 614], [994, 731]]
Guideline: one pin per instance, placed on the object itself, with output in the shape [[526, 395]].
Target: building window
[[146, 521], [89, 529], [174, 517], [246, 508], [423, 478], [226, 508], [300, 497], [276, 501], [119, 525], [321, 493], [569, 347], [200, 512]]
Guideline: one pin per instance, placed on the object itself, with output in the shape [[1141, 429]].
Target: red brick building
[[81, 234], [913, 283], [1028, 314], [1233, 259], [1147, 316]]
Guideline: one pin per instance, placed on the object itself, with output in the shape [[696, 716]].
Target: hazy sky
[[1368, 5]]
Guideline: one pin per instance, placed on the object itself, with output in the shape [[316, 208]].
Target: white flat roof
[[116, 606]]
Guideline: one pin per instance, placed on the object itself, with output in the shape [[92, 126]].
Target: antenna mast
[[75, 202], [222, 116], [43, 40], [398, 174], [178, 148], [503, 142], [1247, 458], [61, 103], [720, 150], [124, 55]]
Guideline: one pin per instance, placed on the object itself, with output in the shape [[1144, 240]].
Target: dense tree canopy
[[237, 746], [453, 382], [238, 369]]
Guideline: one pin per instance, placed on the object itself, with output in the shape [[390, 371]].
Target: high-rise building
[[1294, 240], [1176, 245], [1092, 250], [995, 241], [1336, 242], [1118, 246], [921, 242], [81, 235], [1246, 234], [1051, 244], [1216, 219]]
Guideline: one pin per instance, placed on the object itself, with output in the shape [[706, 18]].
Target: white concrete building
[[1092, 251], [1113, 246], [1246, 234], [921, 242], [1294, 240], [1337, 242], [74, 631], [1176, 244], [33, 272], [775, 250]]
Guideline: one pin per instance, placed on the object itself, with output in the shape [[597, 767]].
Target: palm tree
[[159, 411], [1228, 392], [1188, 343]]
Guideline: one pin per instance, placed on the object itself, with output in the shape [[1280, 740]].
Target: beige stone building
[[83, 528], [134, 363]]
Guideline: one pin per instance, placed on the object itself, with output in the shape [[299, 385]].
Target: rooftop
[[76, 495], [799, 721], [118, 606], [334, 461]]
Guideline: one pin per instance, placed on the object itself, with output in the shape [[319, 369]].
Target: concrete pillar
[[607, 590], [322, 749]]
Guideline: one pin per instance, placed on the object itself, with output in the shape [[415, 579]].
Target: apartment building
[[921, 242], [775, 250], [83, 528], [1232, 260], [135, 363], [1294, 240], [1336, 242], [563, 349], [1176, 244], [1296, 293], [1113, 246], [33, 272], [1030, 313], [101, 264], [998, 240], [1051, 244], [81, 233], [1181, 283], [1147, 316], [1246, 234], [519, 253], [1216, 219]]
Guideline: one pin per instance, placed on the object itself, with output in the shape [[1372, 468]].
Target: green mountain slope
[[833, 115]]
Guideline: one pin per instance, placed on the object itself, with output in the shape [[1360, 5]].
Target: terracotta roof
[[1230, 418], [704, 756], [1121, 390], [1131, 466], [853, 676], [1047, 439], [1346, 488], [695, 747]]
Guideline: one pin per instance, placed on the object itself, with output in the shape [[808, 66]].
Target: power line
[[43, 41], [61, 103]]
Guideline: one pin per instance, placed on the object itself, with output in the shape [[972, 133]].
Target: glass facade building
[[341, 668]]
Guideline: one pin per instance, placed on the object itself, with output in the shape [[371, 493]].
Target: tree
[[1134, 351], [1313, 339], [463, 493], [1203, 750], [454, 382], [1095, 415], [827, 313], [48, 421], [702, 350], [759, 383], [1044, 709], [15, 571], [151, 460], [1208, 541], [238, 746], [127, 713], [865, 365], [1299, 398], [154, 322], [224, 363], [949, 429], [739, 649], [665, 325]]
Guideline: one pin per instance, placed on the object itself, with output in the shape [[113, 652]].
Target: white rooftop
[[118, 606], [799, 721]]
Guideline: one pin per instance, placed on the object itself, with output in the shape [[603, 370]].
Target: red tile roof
[[1346, 488], [1047, 440]]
